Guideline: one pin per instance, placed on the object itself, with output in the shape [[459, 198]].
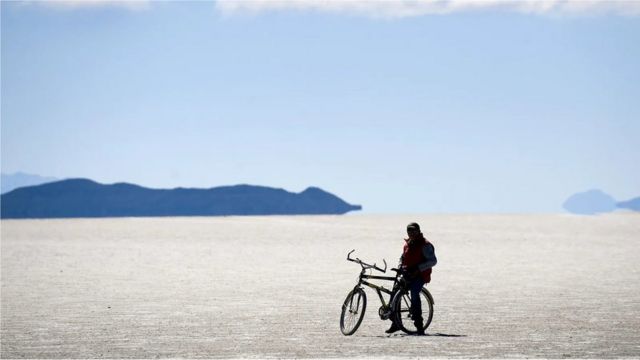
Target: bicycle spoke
[[354, 309], [352, 320], [407, 302]]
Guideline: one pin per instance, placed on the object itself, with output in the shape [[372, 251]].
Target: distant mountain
[[590, 202], [633, 204], [13, 181], [86, 198], [596, 201]]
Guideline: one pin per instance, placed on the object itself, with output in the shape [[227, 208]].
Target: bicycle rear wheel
[[353, 311], [401, 305]]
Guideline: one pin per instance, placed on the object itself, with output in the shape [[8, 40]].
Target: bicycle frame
[[379, 289], [363, 277]]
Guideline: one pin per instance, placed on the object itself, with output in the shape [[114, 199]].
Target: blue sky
[[499, 109]]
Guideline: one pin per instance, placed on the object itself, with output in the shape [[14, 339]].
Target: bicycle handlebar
[[365, 265]]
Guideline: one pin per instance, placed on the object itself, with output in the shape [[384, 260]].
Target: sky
[[402, 107]]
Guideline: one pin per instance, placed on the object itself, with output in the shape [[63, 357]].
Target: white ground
[[505, 286]]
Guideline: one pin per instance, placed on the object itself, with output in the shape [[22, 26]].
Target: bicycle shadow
[[446, 335], [427, 334], [408, 335]]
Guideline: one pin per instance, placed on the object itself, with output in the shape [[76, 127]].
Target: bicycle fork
[[357, 303]]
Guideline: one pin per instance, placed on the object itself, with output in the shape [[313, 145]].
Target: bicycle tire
[[354, 307], [401, 314]]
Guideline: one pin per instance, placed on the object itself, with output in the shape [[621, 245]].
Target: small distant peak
[[76, 181], [21, 179], [127, 185], [590, 202], [313, 189]]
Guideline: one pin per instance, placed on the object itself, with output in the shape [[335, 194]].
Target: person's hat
[[413, 226]]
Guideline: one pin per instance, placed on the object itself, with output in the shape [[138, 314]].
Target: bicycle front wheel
[[353, 311], [402, 315]]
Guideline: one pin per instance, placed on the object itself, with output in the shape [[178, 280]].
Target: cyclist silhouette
[[418, 257]]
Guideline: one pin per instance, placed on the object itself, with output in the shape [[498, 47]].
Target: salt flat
[[506, 286]]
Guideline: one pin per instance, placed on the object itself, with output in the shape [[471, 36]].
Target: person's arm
[[429, 258]]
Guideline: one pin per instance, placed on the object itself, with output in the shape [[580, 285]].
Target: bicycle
[[398, 309]]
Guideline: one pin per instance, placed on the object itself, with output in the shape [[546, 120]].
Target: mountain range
[[34, 196], [87, 198]]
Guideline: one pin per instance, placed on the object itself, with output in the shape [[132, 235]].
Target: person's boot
[[392, 329], [419, 327]]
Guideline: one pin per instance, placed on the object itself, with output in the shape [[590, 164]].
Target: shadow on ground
[[403, 335]]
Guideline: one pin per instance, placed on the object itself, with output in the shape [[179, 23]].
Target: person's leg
[[393, 328], [416, 303]]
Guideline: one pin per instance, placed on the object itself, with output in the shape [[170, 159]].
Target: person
[[418, 257]]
